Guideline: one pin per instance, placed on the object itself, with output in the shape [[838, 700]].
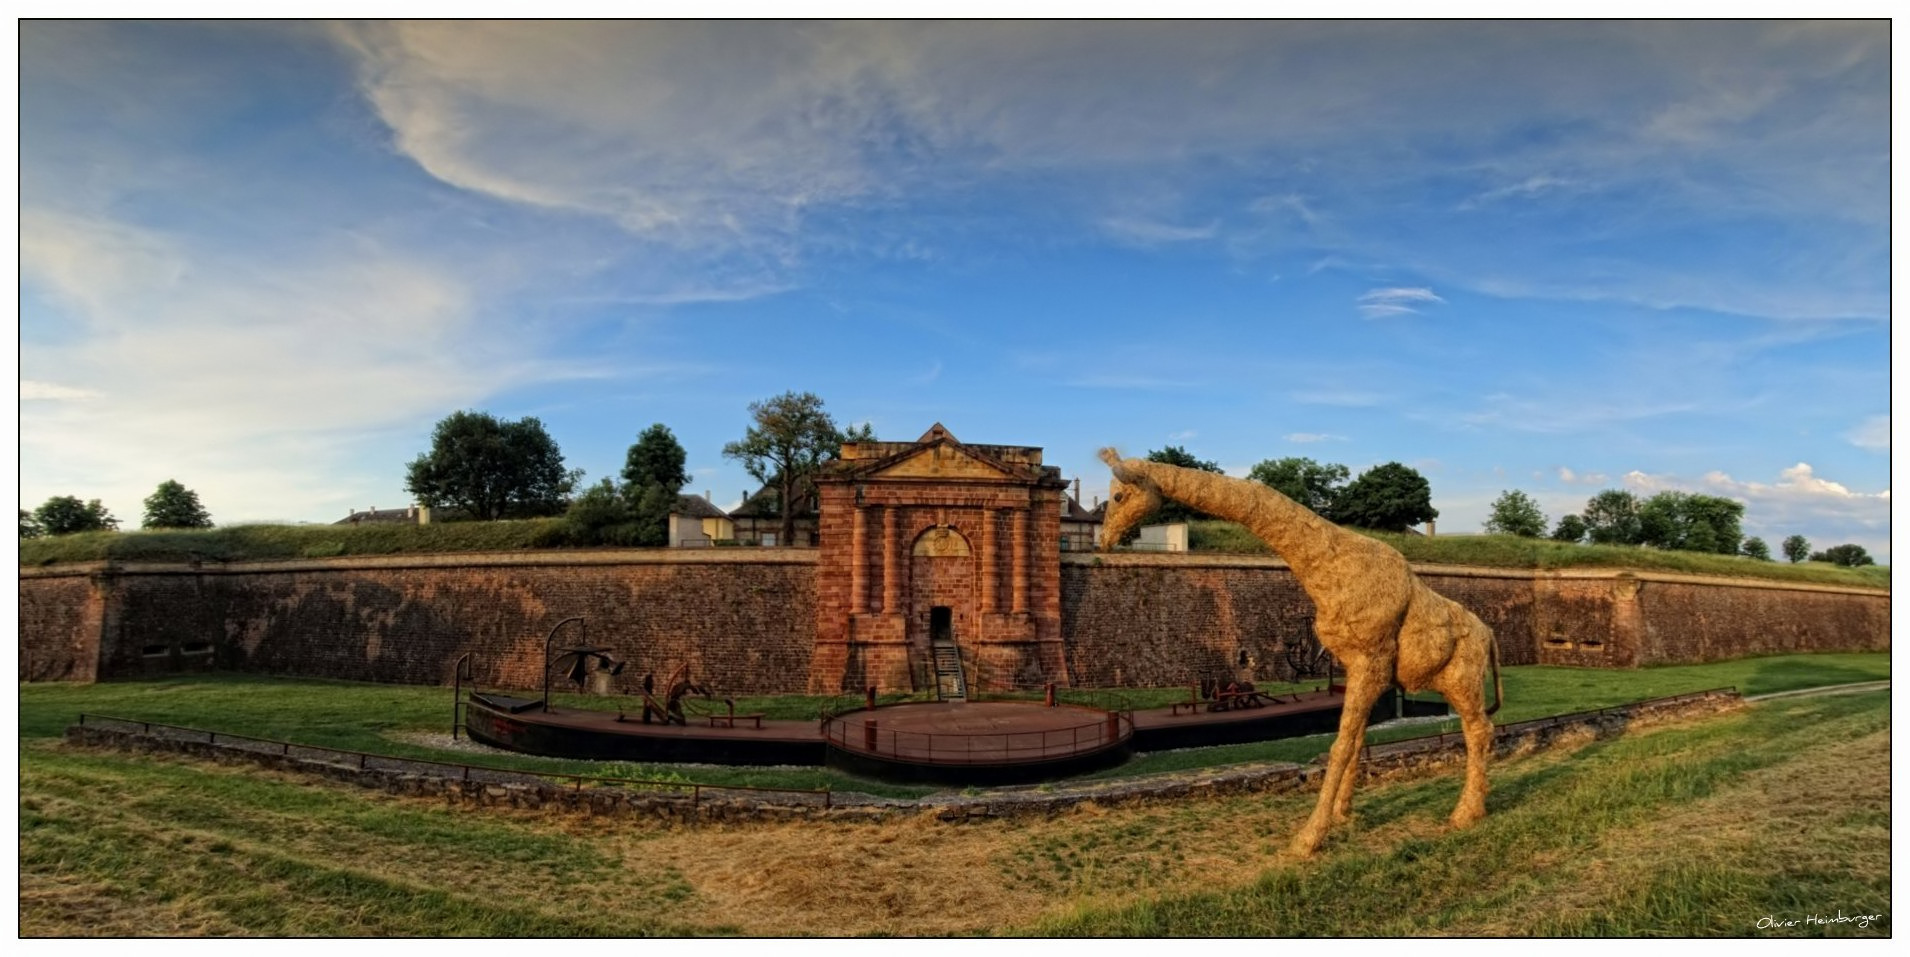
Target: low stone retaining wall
[[1415, 757]]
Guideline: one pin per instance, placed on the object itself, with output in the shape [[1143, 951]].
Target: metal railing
[[365, 760], [868, 737]]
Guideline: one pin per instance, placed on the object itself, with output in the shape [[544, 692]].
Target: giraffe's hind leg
[[1463, 688]]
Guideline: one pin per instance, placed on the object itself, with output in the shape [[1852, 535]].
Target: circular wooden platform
[[977, 742]]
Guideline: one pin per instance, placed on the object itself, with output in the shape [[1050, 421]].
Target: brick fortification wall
[[1167, 619], [746, 619], [744, 622]]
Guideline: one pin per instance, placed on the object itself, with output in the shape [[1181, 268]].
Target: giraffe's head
[[1131, 498]]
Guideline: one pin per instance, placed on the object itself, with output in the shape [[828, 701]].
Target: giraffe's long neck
[[1305, 540]]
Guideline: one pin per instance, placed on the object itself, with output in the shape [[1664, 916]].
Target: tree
[[1570, 528], [28, 527], [1308, 483], [1388, 497], [859, 433], [64, 515], [653, 474], [1754, 547], [601, 515], [1611, 518], [1683, 521], [791, 439], [491, 469], [1849, 556], [1176, 511], [173, 505], [1515, 513], [1797, 548]]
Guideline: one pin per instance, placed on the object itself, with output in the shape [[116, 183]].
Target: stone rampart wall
[[745, 619]]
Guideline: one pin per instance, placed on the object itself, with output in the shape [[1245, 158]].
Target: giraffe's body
[[1374, 615]]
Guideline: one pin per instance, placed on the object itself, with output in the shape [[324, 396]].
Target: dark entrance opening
[[941, 624]]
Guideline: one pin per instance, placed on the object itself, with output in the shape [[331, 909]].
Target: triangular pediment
[[944, 460]]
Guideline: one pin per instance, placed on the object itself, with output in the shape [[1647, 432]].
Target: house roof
[[696, 506], [762, 504]]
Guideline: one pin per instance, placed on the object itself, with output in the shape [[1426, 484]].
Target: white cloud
[[1394, 301], [246, 380], [53, 392], [1527, 188], [1182, 435], [1570, 477], [1872, 434], [1314, 437]]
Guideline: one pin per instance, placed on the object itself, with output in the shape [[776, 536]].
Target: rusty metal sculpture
[[1379, 621], [575, 664], [670, 710]]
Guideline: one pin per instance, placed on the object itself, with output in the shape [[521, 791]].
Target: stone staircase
[[949, 684]]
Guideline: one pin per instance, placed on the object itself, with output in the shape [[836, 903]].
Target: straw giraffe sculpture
[[1382, 623]]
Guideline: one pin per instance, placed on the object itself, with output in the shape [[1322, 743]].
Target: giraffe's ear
[[1110, 456]]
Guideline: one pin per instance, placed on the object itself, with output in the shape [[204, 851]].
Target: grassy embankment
[[1511, 551], [410, 721], [1703, 828], [262, 542]]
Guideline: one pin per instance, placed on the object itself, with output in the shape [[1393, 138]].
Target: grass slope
[[1512, 551], [262, 542], [1703, 828]]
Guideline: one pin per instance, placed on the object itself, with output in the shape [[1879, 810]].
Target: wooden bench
[[1193, 707], [731, 719]]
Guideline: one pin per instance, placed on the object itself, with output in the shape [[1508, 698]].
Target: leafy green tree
[[1797, 548], [859, 433], [1849, 556], [1308, 483], [1570, 528], [602, 515], [28, 527], [1682, 521], [492, 469], [173, 505], [64, 515], [1175, 511], [1754, 547], [1388, 498], [790, 441], [653, 474], [1611, 518], [1515, 513]]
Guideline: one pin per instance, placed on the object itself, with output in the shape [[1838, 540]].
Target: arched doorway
[[944, 612]]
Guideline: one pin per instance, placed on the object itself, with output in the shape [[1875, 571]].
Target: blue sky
[[264, 259]]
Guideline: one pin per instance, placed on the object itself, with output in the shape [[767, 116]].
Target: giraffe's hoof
[[1464, 817]]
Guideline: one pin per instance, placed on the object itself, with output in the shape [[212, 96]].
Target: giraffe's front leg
[[1363, 687]]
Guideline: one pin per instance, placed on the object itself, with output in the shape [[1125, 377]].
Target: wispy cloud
[[1182, 435], [1570, 477], [1308, 437], [1872, 434], [1144, 232], [53, 392], [1527, 188], [1395, 301]]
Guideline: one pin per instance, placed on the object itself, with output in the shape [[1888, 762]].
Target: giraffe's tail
[[1498, 685]]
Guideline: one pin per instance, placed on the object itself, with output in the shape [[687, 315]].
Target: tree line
[[171, 505], [1389, 497], [489, 469], [1676, 521]]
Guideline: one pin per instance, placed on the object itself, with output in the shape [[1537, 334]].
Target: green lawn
[[373, 717]]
